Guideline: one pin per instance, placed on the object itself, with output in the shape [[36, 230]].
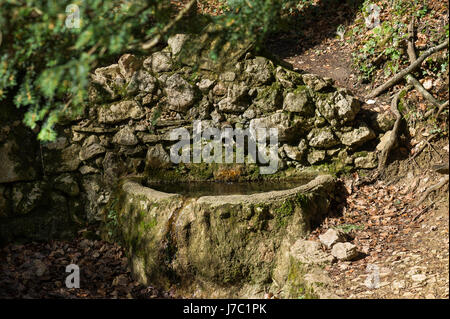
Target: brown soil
[[407, 244]]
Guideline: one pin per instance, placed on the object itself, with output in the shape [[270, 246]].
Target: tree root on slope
[[384, 154], [435, 187]]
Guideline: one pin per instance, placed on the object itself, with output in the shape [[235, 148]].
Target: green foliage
[[45, 64], [348, 228], [384, 45]]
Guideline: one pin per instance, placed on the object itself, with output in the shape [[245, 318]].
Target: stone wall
[[53, 189]]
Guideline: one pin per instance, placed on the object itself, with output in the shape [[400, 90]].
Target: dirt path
[[330, 59], [406, 245]]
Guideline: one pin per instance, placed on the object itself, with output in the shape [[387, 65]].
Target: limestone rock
[[176, 43], [249, 113], [238, 92], [93, 188], [205, 85], [368, 161], [180, 94], [228, 106], [110, 79], [259, 70], [67, 184], [86, 169], [302, 146], [339, 107], [158, 62], [322, 138], [357, 136], [287, 78], [344, 251], [383, 122], [28, 196], [287, 129], [142, 81], [91, 148], [113, 168], [317, 83], [157, 156], [331, 237], [119, 111], [216, 116], [309, 252], [228, 76], [293, 152], [128, 65], [316, 156], [220, 89], [125, 137], [299, 101], [269, 98]]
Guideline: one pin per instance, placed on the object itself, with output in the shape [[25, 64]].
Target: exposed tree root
[[412, 82], [412, 67], [411, 50], [427, 142], [441, 108], [383, 157], [442, 182], [419, 87]]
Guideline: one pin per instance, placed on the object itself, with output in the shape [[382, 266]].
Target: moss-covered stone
[[225, 241]]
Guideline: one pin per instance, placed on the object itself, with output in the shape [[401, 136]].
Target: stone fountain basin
[[229, 246]]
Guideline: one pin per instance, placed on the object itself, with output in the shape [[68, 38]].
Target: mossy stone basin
[[234, 246]]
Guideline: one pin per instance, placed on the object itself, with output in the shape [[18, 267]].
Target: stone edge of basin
[[137, 189], [131, 186]]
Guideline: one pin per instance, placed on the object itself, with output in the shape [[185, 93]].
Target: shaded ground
[[38, 270]]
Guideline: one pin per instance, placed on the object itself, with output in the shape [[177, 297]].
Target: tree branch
[[155, 40]]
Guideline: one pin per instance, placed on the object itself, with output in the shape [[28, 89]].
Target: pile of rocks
[[336, 241], [134, 105]]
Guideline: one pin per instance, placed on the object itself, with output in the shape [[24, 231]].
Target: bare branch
[[155, 40]]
